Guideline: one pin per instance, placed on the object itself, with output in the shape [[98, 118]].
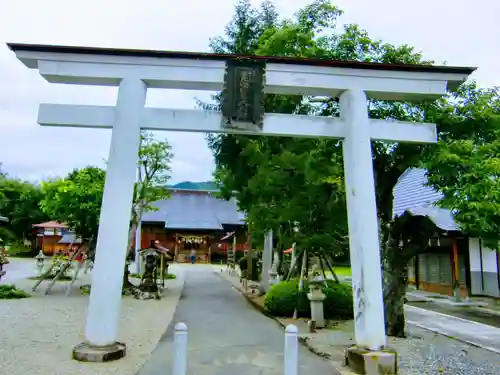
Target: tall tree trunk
[[127, 286], [395, 281], [131, 234], [402, 240], [394, 278]]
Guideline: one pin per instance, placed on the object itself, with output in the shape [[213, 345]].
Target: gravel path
[[18, 269], [425, 352], [38, 333]]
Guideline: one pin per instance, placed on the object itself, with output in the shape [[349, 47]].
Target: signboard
[[243, 94]]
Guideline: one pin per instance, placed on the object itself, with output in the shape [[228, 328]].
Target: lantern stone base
[[364, 361], [88, 353], [147, 295]]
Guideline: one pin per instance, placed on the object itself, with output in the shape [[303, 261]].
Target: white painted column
[[363, 222], [267, 261], [107, 276], [138, 234]]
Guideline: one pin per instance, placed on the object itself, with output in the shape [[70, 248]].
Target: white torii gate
[[134, 71]]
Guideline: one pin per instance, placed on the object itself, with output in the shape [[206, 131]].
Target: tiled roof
[[195, 210], [69, 238], [50, 224], [412, 195]]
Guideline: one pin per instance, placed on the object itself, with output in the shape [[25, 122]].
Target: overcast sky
[[454, 31]]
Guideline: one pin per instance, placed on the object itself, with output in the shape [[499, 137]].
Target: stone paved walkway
[[227, 336]]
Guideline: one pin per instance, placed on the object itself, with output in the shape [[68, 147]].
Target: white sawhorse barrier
[[291, 353]]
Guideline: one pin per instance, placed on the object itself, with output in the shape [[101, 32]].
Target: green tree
[[19, 201], [261, 159], [465, 165], [76, 201], [153, 173], [311, 32]]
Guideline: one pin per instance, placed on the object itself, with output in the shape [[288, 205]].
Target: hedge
[[281, 300]]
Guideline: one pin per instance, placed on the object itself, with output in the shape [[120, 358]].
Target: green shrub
[[85, 289], [282, 299], [18, 250], [11, 292], [243, 264]]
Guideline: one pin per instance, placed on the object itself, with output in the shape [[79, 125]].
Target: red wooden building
[[53, 237]]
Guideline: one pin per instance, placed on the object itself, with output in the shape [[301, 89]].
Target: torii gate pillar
[[103, 313], [362, 219]]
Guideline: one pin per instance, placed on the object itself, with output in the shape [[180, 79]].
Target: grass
[[343, 271], [17, 250]]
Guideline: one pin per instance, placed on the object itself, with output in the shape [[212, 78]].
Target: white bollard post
[[180, 349], [291, 365]]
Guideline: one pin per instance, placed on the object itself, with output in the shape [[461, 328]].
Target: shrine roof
[[50, 224], [69, 238], [195, 209], [325, 62], [412, 195]]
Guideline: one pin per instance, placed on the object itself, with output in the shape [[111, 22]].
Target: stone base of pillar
[[364, 361], [88, 353]]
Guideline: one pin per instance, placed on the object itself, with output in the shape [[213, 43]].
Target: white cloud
[[446, 30]]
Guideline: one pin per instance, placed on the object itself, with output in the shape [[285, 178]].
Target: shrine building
[[53, 237], [195, 220]]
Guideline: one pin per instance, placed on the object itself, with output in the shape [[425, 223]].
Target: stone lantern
[[273, 275], [40, 262], [148, 287], [316, 297]]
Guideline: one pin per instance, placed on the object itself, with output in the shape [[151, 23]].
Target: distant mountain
[[190, 185]]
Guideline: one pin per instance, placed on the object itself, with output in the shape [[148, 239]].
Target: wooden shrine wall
[[157, 232]]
